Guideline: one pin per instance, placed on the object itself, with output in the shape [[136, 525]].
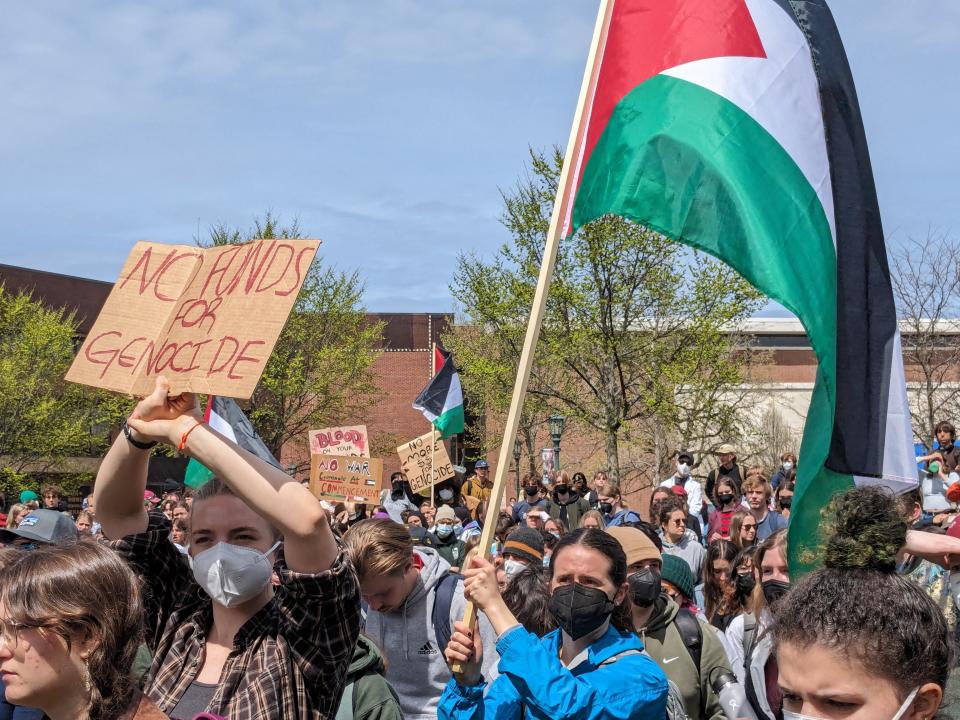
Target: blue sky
[[386, 127]]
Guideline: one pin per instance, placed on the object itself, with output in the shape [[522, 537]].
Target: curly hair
[[82, 591], [858, 607]]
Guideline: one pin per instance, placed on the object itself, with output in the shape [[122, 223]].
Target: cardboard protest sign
[[342, 478], [415, 458], [347, 440], [207, 319]]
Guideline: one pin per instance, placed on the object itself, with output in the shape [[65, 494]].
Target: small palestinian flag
[[226, 417], [733, 126], [441, 401], [439, 358]]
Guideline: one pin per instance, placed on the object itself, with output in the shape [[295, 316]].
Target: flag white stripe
[[780, 92], [220, 424]]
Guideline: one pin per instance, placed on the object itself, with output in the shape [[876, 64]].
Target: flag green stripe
[[451, 422], [197, 474], [686, 162]]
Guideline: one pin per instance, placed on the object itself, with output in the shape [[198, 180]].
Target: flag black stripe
[[866, 315]]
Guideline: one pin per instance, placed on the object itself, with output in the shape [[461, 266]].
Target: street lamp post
[[517, 450], [557, 423]]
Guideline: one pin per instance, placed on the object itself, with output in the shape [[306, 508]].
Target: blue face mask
[[444, 531]]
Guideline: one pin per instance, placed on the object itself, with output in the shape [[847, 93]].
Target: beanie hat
[[676, 572], [637, 546], [29, 496], [526, 543], [445, 512]]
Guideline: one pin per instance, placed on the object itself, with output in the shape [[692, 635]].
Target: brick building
[[404, 367]]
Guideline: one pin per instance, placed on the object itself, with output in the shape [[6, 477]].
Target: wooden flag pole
[[560, 207], [433, 432]]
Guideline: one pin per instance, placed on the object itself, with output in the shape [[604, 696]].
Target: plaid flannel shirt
[[288, 661]]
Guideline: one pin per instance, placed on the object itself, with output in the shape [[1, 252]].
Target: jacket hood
[[574, 497], [688, 535], [366, 659], [664, 612], [433, 568]]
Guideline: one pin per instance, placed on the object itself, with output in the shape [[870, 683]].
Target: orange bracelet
[[183, 438]]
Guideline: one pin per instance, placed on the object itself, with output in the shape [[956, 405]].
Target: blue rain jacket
[[611, 680]]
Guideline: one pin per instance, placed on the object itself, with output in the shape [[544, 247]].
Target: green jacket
[[662, 640], [452, 549], [576, 507], [373, 698]]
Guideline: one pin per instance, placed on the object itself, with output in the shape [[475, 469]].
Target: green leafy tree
[[45, 420], [637, 336], [321, 370]]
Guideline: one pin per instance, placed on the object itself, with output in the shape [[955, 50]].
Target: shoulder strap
[[691, 634], [442, 602], [623, 653], [470, 487], [749, 636], [345, 710]]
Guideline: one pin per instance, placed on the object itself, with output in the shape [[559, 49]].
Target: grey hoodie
[[690, 549], [415, 665]]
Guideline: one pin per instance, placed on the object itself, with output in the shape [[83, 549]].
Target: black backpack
[[442, 602]]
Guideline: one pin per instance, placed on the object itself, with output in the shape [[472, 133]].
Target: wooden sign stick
[[560, 207]]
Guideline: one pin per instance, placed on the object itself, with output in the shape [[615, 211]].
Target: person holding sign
[[592, 667], [224, 639]]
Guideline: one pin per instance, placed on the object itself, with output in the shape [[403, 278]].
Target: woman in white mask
[[225, 639], [854, 640]]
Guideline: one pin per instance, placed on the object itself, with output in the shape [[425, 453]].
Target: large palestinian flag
[[733, 126]]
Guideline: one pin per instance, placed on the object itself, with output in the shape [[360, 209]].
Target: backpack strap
[[691, 634], [623, 653], [345, 709], [442, 602], [749, 638]]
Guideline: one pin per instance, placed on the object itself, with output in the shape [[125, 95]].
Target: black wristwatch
[[136, 443]]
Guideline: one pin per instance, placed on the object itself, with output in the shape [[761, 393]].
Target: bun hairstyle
[[859, 607], [867, 531]]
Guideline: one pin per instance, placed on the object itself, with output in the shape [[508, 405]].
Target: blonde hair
[[15, 510], [378, 547], [757, 482]]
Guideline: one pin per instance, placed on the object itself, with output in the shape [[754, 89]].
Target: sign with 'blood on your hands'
[[206, 318]]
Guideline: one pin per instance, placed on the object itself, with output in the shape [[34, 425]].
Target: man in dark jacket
[[565, 504], [728, 468], [367, 695]]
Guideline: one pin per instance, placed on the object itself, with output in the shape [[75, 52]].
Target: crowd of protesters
[[248, 598]]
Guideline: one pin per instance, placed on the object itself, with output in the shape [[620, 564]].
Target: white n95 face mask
[[511, 567], [787, 715], [232, 574]]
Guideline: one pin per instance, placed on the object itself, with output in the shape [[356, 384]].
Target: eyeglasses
[[10, 633], [679, 521], [748, 527]]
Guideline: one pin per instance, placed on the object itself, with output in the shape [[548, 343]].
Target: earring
[[87, 684]]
